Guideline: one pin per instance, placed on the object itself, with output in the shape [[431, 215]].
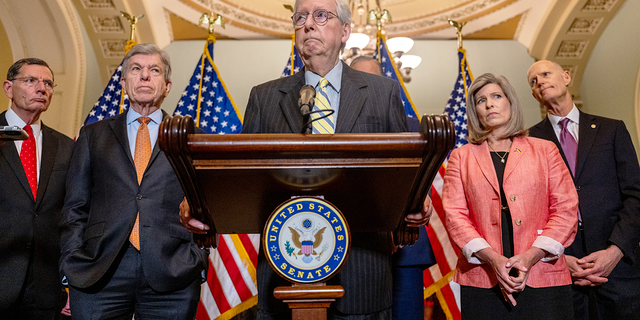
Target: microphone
[[306, 101]]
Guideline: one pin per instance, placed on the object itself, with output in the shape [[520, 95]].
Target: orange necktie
[[141, 157], [29, 161]]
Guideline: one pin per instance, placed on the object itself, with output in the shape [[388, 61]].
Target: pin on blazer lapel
[[518, 149]]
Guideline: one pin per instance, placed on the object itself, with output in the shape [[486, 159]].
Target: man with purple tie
[[604, 259]]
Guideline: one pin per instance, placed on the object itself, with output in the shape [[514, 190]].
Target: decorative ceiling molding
[[97, 4], [599, 5], [569, 33], [106, 24], [254, 22], [113, 48], [439, 21], [587, 25], [572, 49]]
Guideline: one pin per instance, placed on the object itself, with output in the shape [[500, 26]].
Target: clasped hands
[[502, 266], [593, 269]]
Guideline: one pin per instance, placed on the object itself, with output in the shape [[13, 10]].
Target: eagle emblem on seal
[[307, 242]]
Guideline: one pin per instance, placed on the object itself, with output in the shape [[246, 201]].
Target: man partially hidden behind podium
[[362, 103]]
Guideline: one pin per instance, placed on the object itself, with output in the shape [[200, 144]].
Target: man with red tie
[[33, 173]]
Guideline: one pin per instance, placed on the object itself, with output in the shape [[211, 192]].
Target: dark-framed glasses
[[33, 82], [320, 17]]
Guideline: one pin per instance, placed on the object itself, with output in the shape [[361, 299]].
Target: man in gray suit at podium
[[361, 103]]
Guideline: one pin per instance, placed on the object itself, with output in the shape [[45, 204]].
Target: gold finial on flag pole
[[458, 26], [379, 15], [132, 21], [211, 19]]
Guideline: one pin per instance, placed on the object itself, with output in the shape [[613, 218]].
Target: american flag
[[389, 70], [111, 102], [206, 98], [438, 278], [231, 279], [290, 70]]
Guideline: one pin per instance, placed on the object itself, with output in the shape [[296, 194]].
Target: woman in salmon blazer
[[511, 207]]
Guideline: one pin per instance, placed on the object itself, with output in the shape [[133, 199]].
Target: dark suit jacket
[[103, 199], [368, 104], [607, 179], [28, 228]]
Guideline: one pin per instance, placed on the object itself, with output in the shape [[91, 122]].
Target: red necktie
[[29, 161], [141, 156]]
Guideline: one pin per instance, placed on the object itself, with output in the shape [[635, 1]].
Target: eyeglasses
[[33, 82], [320, 17]]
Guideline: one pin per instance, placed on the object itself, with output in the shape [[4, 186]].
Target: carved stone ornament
[[441, 19], [585, 25], [599, 5], [572, 49], [104, 24], [97, 4], [113, 48]]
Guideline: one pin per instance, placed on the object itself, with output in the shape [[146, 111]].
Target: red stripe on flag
[[451, 301], [438, 252], [216, 289], [441, 171], [202, 314], [234, 272], [251, 250]]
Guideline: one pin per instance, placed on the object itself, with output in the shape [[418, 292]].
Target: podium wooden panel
[[234, 182]]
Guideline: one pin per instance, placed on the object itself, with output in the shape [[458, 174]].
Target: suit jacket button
[[518, 222], [513, 198], [139, 197], [28, 245]]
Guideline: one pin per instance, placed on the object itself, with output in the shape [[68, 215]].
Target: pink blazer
[[542, 200]]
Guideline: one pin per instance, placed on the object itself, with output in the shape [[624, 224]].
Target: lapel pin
[[518, 150], [593, 126]]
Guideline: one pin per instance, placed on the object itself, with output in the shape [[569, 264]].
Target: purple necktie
[[570, 149], [568, 144]]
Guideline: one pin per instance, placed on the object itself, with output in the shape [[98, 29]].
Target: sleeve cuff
[[472, 247], [553, 248]]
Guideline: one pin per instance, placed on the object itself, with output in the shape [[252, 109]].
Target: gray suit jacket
[[103, 200], [29, 229], [368, 104]]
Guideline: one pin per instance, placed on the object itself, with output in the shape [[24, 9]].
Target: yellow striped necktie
[[322, 106]]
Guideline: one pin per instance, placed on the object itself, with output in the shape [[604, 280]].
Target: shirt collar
[[132, 115], [14, 120], [334, 77], [573, 116]]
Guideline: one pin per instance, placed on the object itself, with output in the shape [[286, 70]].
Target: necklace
[[501, 156]]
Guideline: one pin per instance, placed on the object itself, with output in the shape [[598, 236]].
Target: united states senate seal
[[306, 240]]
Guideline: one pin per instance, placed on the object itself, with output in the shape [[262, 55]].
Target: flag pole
[[211, 19], [130, 43]]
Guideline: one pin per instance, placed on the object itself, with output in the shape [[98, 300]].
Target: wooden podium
[[234, 182]]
